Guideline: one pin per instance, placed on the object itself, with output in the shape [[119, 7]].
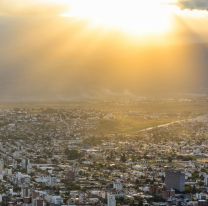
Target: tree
[[73, 154], [123, 158]]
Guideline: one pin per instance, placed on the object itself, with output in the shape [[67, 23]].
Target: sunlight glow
[[139, 17]]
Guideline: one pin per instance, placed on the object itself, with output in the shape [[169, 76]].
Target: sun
[[138, 17]]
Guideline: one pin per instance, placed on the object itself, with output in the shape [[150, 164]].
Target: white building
[[57, 200], [111, 200], [118, 185], [21, 179], [48, 180]]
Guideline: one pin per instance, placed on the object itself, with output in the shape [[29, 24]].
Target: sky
[[59, 49]]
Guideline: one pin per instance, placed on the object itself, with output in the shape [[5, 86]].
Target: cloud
[[194, 4], [49, 57], [30, 8]]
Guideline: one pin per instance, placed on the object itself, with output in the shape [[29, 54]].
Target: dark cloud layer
[[194, 4]]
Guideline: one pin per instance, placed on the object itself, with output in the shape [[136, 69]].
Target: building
[[56, 200], [1, 166], [25, 192], [118, 185], [26, 165], [168, 194], [206, 180], [111, 200], [175, 180], [38, 202]]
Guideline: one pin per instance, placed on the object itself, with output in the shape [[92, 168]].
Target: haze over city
[[64, 49], [103, 103]]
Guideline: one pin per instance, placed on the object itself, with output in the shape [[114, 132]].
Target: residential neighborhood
[[56, 156]]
